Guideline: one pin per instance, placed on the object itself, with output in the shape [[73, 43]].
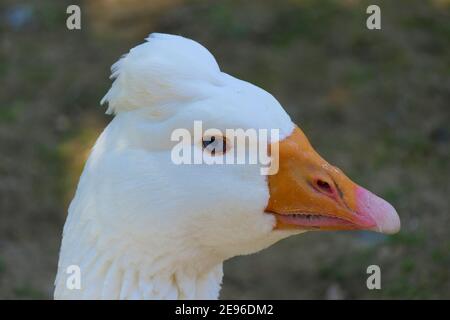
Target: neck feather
[[112, 269]]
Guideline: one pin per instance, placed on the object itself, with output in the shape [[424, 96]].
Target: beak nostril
[[324, 186]]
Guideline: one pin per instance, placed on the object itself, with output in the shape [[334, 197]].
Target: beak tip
[[382, 213], [390, 224]]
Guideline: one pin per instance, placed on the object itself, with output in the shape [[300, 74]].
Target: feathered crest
[[165, 69]]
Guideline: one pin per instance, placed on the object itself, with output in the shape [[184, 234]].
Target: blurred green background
[[375, 103]]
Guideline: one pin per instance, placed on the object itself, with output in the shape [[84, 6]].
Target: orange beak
[[310, 194]]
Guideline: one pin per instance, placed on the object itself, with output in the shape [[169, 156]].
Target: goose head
[[139, 207]]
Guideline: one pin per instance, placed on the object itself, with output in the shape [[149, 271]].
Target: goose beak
[[308, 193]]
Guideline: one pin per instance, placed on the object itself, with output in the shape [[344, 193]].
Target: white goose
[[142, 227]]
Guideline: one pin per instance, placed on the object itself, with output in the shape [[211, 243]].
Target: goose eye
[[215, 144]]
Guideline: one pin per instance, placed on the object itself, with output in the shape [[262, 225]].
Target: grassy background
[[375, 103]]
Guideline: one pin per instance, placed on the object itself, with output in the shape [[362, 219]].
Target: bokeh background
[[375, 103]]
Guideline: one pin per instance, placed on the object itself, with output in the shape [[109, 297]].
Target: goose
[[141, 226]]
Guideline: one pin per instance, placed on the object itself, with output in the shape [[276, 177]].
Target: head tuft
[[166, 69]]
